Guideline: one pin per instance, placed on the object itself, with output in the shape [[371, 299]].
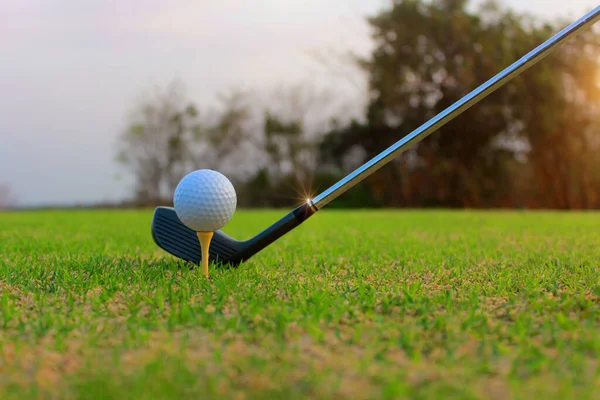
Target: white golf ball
[[205, 200]]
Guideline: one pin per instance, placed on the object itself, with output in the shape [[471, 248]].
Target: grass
[[354, 304]]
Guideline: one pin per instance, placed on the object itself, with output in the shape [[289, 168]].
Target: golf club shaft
[[454, 110]]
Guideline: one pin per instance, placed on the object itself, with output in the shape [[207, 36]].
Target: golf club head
[[170, 234]]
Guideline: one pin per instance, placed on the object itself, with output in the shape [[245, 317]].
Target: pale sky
[[71, 70]]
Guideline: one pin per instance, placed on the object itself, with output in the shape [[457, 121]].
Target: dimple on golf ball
[[205, 200]]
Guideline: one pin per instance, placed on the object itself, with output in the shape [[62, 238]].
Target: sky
[[71, 70]]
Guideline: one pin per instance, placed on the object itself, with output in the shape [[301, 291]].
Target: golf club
[[173, 236]]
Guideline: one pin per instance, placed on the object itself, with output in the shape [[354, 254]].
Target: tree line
[[533, 143]]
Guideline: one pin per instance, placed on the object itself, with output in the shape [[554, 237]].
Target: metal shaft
[[456, 109]]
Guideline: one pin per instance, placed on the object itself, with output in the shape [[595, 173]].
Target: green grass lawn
[[350, 305]]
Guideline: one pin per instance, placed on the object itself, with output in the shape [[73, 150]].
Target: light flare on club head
[[304, 198]]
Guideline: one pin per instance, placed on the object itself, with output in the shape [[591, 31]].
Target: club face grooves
[[170, 234], [177, 239]]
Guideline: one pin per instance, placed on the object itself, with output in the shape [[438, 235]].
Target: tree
[[7, 197], [231, 134], [263, 140], [292, 119], [560, 114], [266, 140], [427, 56], [158, 145]]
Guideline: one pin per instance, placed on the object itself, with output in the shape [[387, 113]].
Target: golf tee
[[205, 238]]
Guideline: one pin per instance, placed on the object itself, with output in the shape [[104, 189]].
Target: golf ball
[[205, 200]]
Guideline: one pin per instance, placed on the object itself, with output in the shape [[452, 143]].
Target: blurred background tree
[[533, 143], [513, 148], [291, 121], [7, 196], [158, 144]]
